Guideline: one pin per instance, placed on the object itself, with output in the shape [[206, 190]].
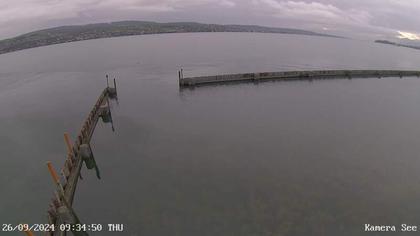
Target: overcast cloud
[[363, 19]]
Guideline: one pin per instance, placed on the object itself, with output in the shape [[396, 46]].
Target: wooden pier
[[60, 210], [291, 75]]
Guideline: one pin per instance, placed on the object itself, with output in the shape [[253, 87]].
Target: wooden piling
[[68, 143], [53, 173], [29, 233]]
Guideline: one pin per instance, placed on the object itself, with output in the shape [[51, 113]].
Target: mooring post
[[110, 114], [115, 86]]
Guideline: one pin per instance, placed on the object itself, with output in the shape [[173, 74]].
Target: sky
[[360, 19]]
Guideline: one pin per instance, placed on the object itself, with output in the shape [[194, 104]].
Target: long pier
[[61, 216], [291, 75]]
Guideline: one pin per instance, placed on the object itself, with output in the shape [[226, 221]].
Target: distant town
[[73, 33]]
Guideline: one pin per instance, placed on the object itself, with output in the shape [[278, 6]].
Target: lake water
[[276, 158]]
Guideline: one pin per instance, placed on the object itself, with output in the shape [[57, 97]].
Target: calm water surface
[[275, 158]]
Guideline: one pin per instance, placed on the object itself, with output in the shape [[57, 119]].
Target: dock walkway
[[291, 75], [60, 210]]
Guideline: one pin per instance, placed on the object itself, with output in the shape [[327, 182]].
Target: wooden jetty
[[290, 75], [60, 210]]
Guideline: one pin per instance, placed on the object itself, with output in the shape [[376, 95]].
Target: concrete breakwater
[[292, 75]]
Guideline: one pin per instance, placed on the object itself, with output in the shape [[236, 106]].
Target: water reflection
[[275, 158]]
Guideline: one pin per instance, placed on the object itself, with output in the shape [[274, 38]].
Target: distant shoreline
[[396, 44], [75, 33]]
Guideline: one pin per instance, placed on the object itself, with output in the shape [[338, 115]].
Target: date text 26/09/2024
[[62, 227]]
